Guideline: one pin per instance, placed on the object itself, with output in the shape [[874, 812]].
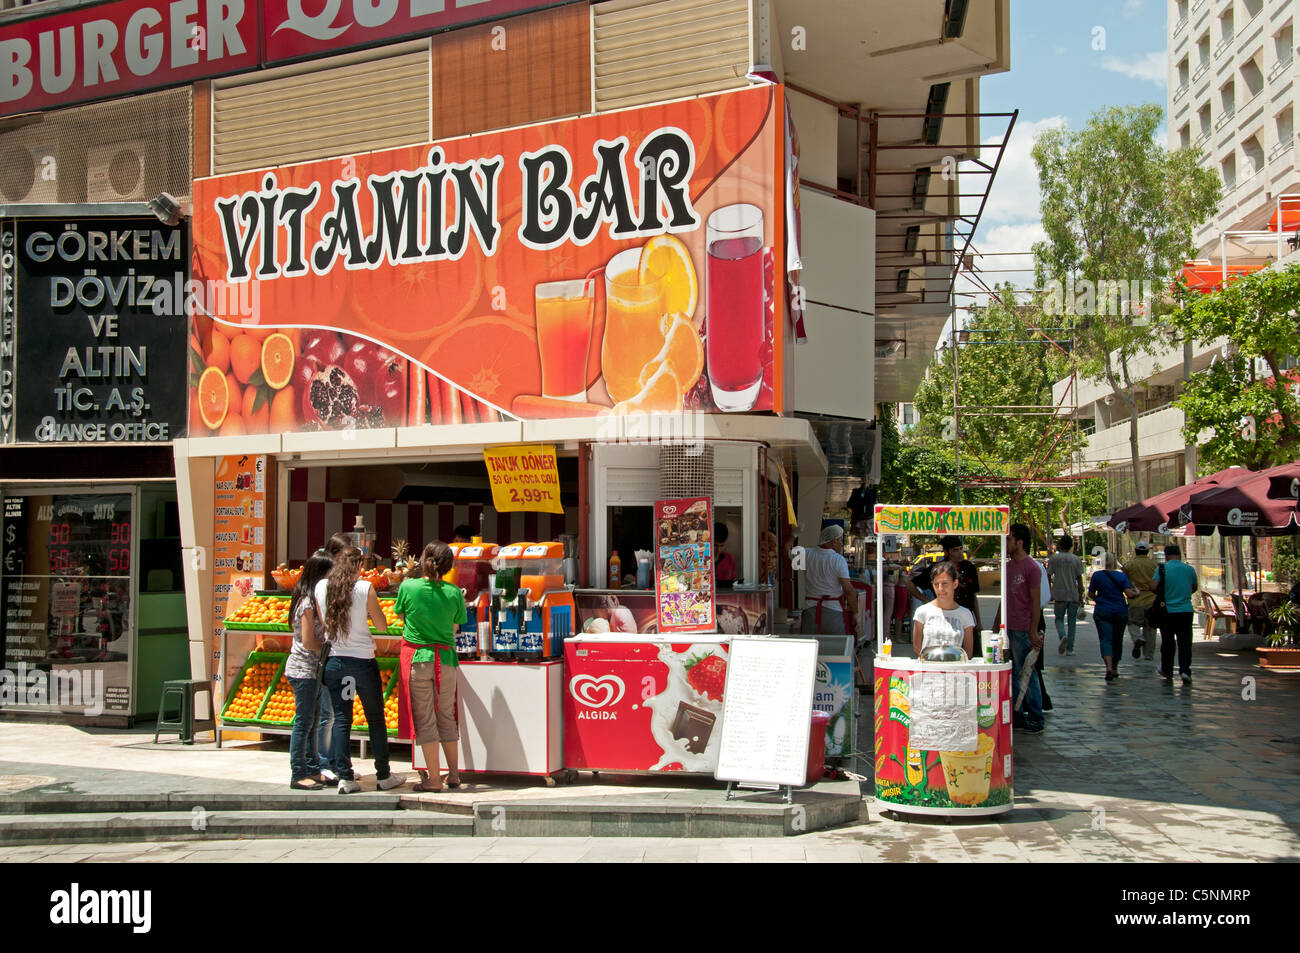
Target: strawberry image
[[707, 674]]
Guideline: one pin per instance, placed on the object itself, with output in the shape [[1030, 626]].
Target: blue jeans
[[357, 678], [1110, 629], [324, 743], [1067, 614], [304, 751], [1031, 710]]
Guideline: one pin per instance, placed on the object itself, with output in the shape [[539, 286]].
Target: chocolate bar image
[[693, 725]]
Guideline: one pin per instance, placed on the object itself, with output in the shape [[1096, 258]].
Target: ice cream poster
[[684, 572]]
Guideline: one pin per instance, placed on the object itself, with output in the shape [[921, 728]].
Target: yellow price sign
[[524, 478], [944, 520]]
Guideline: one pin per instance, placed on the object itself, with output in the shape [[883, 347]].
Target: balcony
[[1181, 25], [1280, 67], [1279, 150], [1160, 431], [1202, 139], [1180, 92], [1224, 47], [1224, 119], [1201, 70]]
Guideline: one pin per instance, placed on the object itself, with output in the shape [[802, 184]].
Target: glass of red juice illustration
[[564, 325], [736, 309]]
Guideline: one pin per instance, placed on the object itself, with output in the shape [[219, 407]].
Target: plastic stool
[[186, 724]]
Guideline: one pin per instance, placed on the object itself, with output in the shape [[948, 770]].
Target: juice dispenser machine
[[472, 571], [543, 611]]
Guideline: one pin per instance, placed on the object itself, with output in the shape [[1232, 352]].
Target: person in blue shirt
[[1176, 630], [1110, 589]]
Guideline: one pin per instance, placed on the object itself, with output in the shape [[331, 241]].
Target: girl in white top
[[943, 622]]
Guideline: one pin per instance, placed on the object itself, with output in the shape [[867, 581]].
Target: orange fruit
[[218, 355], [236, 392], [277, 360], [234, 426], [257, 420], [660, 394], [664, 258], [213, 397], [683, 353], [256, 332], [245, 357]]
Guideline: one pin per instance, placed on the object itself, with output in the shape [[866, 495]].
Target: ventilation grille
[[685, 470], [359, 102], [127, 150], [652, 50]]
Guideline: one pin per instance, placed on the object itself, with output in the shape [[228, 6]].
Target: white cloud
[[1014, 197], [1131, 8], [1149, 67]]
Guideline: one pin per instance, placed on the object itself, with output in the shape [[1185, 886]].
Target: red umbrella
[[1159, 513], [1247, 503]]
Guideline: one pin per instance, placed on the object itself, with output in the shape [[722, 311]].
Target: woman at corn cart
[[942, 621], [307, 764], [431, 609], [349, 607]]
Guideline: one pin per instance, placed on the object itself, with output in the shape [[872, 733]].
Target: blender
[[472, 571]]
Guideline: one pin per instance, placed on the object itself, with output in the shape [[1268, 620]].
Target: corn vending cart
[[943, 729]]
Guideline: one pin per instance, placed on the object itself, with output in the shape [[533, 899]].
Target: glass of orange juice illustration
[[565, 315], [633, 310]]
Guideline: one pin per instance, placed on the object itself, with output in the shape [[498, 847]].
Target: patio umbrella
[[1159, 513], [1248, 503]]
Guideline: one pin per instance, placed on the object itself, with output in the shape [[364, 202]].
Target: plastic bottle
[[615, 575]]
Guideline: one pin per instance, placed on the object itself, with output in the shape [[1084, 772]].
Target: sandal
[[453, 784], [306, 784], [424, 787]]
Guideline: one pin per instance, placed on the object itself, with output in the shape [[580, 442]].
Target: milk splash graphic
[[677, 690]]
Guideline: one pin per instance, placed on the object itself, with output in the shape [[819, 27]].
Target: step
[[62, 803], [136, 826]]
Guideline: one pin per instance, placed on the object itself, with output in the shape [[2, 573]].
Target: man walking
[[1024, 579], [1065, 570], [828, 592], [1141, 572], [1180, 582]]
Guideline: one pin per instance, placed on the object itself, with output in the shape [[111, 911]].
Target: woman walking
[[1110, 589], [349, 606], [431, 609], [307, 765]]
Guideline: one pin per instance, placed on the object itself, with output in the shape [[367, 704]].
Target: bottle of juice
[[615, 577]]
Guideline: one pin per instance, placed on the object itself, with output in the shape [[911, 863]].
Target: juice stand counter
[[917, 705]]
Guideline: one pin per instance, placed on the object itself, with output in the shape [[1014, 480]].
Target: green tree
[[1117, 207], [1254, 417]]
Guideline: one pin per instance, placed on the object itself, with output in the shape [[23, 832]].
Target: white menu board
[[767, 711]]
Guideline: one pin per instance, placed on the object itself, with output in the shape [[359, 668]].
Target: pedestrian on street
[[942, 621], [1141, 572], [1110, 589], [349, 606], [309, 769], [1065, 570], [1180, 582], [828, 591], [431, 609], [1044, 600], [1024, 578]]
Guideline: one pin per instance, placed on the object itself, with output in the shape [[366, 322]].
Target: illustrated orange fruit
[[682, 353], [236, 392], [255, 420], [218, 355], [284, 412], [233, 426], [660, 394], [277, 360], [213, 397], [245, 357], [256, 332], [665, 259]]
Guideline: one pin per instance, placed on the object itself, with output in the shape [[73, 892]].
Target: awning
[[1248, 503], [1159, 513], [1290, 217], [1206, 277]]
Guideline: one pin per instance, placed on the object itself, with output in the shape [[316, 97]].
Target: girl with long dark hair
[[303, 670]]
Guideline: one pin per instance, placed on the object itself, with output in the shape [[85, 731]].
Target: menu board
[[684, 565], [68, 620], [767, 711], [240, 543]]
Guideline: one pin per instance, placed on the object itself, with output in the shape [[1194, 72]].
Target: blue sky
[[1067, 61]]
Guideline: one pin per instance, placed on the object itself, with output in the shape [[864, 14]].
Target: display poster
[[942, 520], [684, 570], [239, 555], [643, 706], [834, 693], [635, 612], [69, 619], [767, 714], [524, 478], [98, 331], [616, 264], [915, 722]]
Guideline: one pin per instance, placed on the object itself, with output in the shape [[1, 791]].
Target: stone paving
[[1133, 770]]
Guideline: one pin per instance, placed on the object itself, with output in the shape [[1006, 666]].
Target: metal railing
[[1201, 70], [1225, 118], [1281, 149], [1180, 92], [1280, 67], [1224, 45], [1181, 25]]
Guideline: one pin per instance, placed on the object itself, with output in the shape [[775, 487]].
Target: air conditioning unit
[[29, 173], [116, 172]]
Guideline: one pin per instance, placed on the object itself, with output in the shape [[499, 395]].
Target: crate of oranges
[[388, 686], [390, 614], [279, 707], [260, 671], [262, 613]]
